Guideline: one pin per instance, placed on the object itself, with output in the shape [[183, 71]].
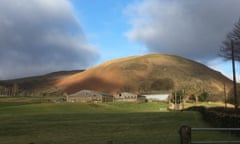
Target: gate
[[185, 133]]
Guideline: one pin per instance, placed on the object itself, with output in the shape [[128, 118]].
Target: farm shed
[[89, 96], [156, 95], [128, 97]]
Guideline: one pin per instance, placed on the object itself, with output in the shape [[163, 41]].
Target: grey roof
[[88, 93]]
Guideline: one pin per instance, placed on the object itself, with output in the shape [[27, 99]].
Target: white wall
[[158, 97]]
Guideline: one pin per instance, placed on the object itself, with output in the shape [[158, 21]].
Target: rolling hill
[[36, 85], [148, 72], [132, 74]]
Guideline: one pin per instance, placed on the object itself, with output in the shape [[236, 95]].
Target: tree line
[[15, 90], [11, 90]]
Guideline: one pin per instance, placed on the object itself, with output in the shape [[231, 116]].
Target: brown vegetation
[[138, 74]]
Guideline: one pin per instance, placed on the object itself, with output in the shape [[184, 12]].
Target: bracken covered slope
[[138, 73]]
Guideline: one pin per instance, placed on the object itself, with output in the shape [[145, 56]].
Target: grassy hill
[[139, 73]]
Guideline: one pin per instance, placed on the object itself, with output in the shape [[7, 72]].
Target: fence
[[185, 133]]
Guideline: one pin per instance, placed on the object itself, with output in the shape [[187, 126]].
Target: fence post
[[185, 134]]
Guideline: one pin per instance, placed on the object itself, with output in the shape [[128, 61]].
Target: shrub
[[219, 117], [231, 95]]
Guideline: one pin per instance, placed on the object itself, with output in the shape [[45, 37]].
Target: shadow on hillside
[[93, 83]]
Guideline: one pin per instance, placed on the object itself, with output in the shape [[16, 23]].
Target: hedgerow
[[219, 117]]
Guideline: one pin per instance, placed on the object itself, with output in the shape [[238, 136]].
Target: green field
[[111, 123]]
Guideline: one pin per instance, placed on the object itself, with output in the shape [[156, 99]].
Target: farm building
[[128, 97], [89, 96], [156, 95]]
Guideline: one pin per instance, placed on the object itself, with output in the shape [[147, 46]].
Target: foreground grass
[[119, 123]]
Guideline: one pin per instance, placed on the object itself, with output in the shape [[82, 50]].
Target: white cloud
[[192, 29], [40, 36]]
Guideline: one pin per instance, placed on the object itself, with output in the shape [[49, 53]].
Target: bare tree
[[234, 36], [15, 89], [1, 90]]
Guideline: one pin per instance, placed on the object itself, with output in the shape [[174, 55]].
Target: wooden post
[[225, 95], [234, 76], [185, 134], [175, 106]]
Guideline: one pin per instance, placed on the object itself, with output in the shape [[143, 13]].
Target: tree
[[225, 49], [203, 97], [177, 96], [15, 89], [162, 84], [230, 98], [126, 88], [192, 97], [143, 87], [1, 90]]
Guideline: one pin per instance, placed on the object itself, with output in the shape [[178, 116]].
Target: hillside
[[134, 74], [36, 85], [139, 73]]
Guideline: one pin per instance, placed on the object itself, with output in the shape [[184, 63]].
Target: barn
[[87, 96], [128, 97], [125, 97], [156, 95]]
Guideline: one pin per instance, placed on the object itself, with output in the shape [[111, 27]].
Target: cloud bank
[[40, 36], [192, 29]]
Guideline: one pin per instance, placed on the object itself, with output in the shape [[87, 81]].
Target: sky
[[42, 36]]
